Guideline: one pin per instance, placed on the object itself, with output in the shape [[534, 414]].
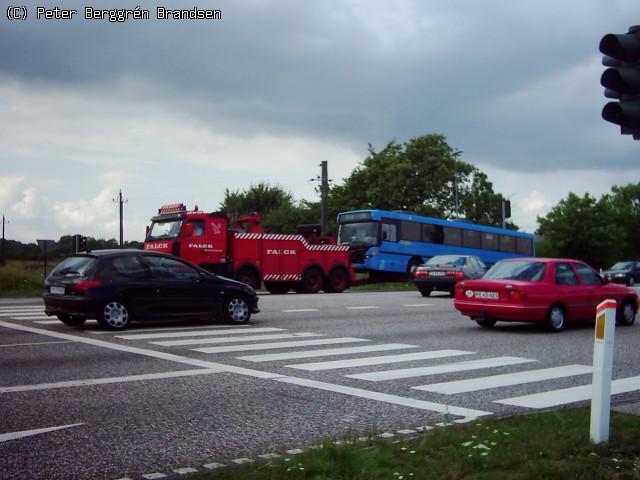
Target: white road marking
[[555, 398], [168, 329], [419, 305], [201, 341], [362, 308], [379, 360], [185, 470], [31, 311], [250, 372], [495, 381], [325, 353], [27, 433], [385, 397], [30, 317], [108, 380], [214, 465], [201, 333], [33, 343], [273, 345], [300, 310], [154, 476], [439, 369], [49, 322]]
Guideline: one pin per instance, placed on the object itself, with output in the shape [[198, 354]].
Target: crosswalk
[[364, 362]]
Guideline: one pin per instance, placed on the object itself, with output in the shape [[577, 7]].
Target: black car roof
[[112, 252]]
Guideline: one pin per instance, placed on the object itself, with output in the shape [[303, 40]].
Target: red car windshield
[[516, 270]]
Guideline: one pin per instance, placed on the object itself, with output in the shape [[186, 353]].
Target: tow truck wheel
[[249, 277], [312, 280], [337, 281]]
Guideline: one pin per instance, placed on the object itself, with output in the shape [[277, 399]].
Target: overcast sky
[[179, 110]]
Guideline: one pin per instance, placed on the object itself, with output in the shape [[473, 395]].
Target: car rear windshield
[[455, 260], [516, 270], [73, 266]]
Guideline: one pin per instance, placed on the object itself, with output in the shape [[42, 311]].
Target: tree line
[[427, 176]]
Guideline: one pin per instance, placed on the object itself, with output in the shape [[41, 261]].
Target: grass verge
[[551, 445], [20, 279]]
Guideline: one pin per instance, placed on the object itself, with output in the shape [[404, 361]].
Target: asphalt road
[[159, 401]]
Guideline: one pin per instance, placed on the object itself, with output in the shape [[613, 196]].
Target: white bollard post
[[602, 371]]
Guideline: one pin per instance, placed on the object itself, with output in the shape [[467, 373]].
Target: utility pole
[[324, 198], [120, 203], [2, 247]]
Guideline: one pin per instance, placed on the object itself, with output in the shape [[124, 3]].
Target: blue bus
[[397, 242]]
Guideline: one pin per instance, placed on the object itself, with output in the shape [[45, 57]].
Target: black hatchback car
[[117, 287]]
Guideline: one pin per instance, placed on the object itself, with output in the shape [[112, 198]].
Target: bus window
[[410, 231], [389, 232], [452, 236], [524, 246], [432, 233], [489, 241], [471, 238], [507, 243]]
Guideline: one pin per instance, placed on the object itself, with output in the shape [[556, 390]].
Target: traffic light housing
[[622, 80], [79, 243]]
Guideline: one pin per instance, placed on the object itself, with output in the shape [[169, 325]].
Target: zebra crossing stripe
[[269, 346], [379, 360], [439, 369], [31, 311], [325, 353], [202, 341], [200, 333], [563, 396], [508, 379], [30, 317]]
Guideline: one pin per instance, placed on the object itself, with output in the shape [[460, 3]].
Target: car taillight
[[421, 273], [456, 274], [516, 294], [85, 285]]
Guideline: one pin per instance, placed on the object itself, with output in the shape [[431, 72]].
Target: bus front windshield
[[164, 230], [360, 233]]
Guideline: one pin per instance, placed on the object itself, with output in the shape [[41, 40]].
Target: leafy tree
[[422, 176], [625, 203], [583, 228], [261, 198]]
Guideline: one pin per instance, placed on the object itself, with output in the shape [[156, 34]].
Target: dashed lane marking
[[27, 433], [108, 380], [300, 310], [362, 308]]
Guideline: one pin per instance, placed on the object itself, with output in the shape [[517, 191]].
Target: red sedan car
[[549, 290]]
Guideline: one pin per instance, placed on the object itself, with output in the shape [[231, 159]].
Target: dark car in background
[[117, 287], [442, 272], [627, 272]]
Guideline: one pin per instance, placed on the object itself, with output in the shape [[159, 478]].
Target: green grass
[[552, 445], [20, 279], [384, 286]]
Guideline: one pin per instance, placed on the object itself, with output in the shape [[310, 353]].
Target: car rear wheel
[[627, 313], [236, 310], [555, 318], [485, 322], [114, 316], [72, 321], [425, 292]]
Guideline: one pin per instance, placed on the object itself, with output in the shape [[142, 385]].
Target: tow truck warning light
[[173, 208]]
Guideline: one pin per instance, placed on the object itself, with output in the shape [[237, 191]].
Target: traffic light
[[622, 80], [79, 243]]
